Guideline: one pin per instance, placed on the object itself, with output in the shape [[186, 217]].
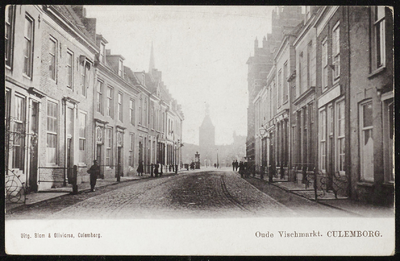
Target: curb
[[312, 200], [69, 193]]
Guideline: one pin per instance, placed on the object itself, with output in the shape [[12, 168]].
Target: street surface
[[207, 194]]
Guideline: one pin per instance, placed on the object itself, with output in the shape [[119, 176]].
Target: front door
[[98, 159], [70, 131], [33, 166], [367, 142], [119, 162]]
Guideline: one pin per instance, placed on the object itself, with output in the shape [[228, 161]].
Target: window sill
[[376, 72], [8, 67], [27, 77], [365, 183], [388, 184]]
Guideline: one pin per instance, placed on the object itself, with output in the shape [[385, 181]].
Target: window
[[85, 68], [82, 137], [132, 150], [388, 130], [120, 68], [145, 120], [340, 137], [300, 74], [336, 51], [285, 82], [322, 142], [152, 116], [70, 64], [52, 58], [102, 51], [163, 122], [28, 46], [9, 31], [141, 110], [109, 105], [120, 106], [366, 142], [379, 52], [99, 97], [52, 127], [18, 142], [109, 144], [279, 87], [132, 111], [309, 52], [324, 59]]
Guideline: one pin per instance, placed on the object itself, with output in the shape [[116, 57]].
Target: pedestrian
[[233, 165], [140, 169], [236, 165], [94, 172], [245, 169], [241, 166], [156, 170]]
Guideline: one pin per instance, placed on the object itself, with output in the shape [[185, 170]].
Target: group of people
[[140, 171], [244, 171], [94, 172]]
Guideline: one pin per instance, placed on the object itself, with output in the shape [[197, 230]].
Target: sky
[[202, 52]]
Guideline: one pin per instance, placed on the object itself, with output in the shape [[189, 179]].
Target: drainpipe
[[347, 99]]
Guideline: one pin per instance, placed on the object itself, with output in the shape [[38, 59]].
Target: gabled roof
[[69, 14], [130, 76], [207, 123]]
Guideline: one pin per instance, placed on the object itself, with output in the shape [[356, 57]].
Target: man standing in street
[[94, 172]]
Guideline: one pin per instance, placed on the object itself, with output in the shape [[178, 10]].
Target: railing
[[15, 188]]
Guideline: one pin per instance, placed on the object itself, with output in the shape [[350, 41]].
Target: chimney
[[79, 10], [108, 51]]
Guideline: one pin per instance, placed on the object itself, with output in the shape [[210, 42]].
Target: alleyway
[[206, 194]]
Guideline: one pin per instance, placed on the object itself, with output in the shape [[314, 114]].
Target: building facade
[[69, 101], [325, 114]]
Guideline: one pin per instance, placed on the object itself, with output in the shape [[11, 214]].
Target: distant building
[[207, 139]]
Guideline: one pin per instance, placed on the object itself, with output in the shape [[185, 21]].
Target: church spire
[[151, 65]]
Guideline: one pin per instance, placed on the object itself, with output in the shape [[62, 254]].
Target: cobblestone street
[[214, 193]]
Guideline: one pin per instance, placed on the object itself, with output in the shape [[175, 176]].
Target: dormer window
[[120, 68], [102, 51]]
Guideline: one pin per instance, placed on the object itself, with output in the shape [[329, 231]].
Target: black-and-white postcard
[[199, 130]]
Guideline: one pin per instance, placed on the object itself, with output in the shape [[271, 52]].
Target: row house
[[24, 101], [370, 102], [259, 66], [51, 54], [334, 129], [115, 98], [69, 101], [160, 123], [303, 103]]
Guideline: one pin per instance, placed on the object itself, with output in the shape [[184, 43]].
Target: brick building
[[339, 123], [69, 101]]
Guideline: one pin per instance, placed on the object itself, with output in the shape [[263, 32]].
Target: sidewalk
[[345, 204], [33, 198]]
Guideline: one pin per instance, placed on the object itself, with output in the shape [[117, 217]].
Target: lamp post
[[217, 160]]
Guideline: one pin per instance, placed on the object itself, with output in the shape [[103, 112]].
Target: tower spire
[[151, 65]]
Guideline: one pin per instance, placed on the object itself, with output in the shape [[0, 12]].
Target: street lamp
[[217, 160]]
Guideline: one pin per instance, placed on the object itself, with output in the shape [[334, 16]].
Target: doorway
[[33, 161]]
